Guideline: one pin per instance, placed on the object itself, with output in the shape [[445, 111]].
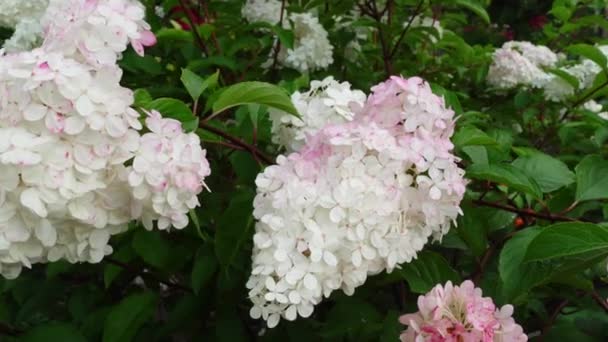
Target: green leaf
[[472, 230], [573, 81], [470, 135], [507, 175], [286, 37], [518, 277], [141, 98], [476, 8], [205, 265], [125, 319], [234, 228], [550, 173], [53, 332], [428, 270], [591, 179], [254, 92], [153, 248], [196, 85], [561, 12], [567, 239], [352, 317], [171, 108], [590, 52]]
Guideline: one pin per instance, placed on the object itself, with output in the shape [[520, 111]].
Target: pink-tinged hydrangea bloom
[[326, 102], [460, 314], [167, 173], [359, 198], [66, 131]]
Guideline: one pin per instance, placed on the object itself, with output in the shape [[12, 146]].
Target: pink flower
[[460, 313]]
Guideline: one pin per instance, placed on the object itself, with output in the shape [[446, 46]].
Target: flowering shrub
[[274, 170]]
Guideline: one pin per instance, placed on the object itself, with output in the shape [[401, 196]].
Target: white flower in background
[[66, 131], [346, 22], [13, 11], [520, 64], [359, 198], [427, 22], [596, 108], [327, 102], [557, 89], [167, 173], [311, 47], [24, 17], [267, 11]]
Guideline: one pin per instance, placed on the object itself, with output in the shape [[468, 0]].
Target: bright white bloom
[[66, 131], [428, 22], [557, 89], [14, 11], [167, 173], [596, 108], [520, 64], [311, 47], [359, 198], [327, 102], [266, 11]]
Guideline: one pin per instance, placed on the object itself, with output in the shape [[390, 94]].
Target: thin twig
[[277, 47], [553, 317], [236, 141], [583, 100], [601, 301], [406, 28], [194, 28], [528, 212]]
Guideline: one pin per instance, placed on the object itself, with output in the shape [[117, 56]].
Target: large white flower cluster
[[327, 102], [311, 47], [66, 131], [24, 17], [557, 89], [267, 11], [520, 64], [524, 64], [167, 173], [359, 198]]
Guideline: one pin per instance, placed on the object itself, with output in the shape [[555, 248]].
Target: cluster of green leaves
[[532, 233]]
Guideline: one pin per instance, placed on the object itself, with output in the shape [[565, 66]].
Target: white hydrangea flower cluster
[[166, 174], [327, 102], [267, 11], [311, 47], [66, 131], [519, 63], [359, 198], [428, 22], [24, 17], [557, 89]]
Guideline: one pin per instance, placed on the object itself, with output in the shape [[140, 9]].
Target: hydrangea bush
[[275, 170]]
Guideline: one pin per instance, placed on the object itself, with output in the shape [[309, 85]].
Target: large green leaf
[[472, 229], [428, 270], [234, 228], [470, 135], [474, 7], [518, 277], [196, 85], [205, 266], [568, 239], [550, 173], [153, 248], [507, 175], [53, 332], [592, 179], [126, 318], [254, 92]]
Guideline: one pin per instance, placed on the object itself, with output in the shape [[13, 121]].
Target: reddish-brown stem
[[553, 317], [527, 212], [194, 28], [238, 142]]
